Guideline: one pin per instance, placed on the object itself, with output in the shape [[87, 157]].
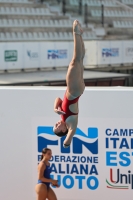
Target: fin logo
[[110, 52], [80, 139], [57, 54]]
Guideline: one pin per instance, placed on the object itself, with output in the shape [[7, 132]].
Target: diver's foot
[[77, 28]]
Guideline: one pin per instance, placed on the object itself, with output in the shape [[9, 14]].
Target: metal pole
[[80, 7], [64, 7], [102, 16], [86, 15]]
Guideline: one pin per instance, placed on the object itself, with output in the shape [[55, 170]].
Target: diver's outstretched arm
[[69, 137]]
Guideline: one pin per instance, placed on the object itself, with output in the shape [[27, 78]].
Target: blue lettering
[[62, 158], [131, 143], [80, 178], [39, 157], [115, 133], [123, 132], [53, 168], [107, 132], [130, 132], [123, 156], [93, 170], [56, 158], [68, 159], [83, 169], [114, 142], [67, 167], [89, 160], [74, 159], [124, 143], [95, 159], [68, 181], [74, 169], [83, 159], [60, 170], [43, 142], [109, 158], [78, 145], [120, 132], [107, 143], [96, 183], [71, 182]]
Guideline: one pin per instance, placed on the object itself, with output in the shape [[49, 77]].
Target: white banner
[[110, 52], [99, 160], [91, 57]]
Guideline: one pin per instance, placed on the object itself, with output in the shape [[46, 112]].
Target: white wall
[[23, 109]]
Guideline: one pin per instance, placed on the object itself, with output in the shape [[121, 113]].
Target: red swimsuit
[[65, 107]]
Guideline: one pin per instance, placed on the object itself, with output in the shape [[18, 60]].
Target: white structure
[[100, 160]]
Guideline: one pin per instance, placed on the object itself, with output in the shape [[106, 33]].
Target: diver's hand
[[59, 112], [57, 186], [54, 182]]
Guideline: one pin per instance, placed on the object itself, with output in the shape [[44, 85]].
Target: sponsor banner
[[32, 55], [55, 54], [60, 54], [99, 160], [20, 55], [128, 51], [109, 52], [12, 55], [75, 167], [119, 155]]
